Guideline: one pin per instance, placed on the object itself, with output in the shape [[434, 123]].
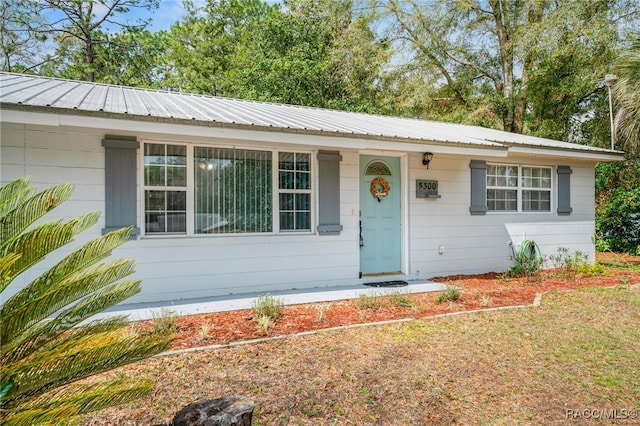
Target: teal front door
[[380, 195]]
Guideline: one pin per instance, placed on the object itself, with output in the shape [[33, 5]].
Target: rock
[[226, 411]]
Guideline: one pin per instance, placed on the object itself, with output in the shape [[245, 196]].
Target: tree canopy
[[530, 66]]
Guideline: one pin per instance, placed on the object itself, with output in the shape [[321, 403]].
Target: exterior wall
[[477, 244], [180, 267], [200, 266]]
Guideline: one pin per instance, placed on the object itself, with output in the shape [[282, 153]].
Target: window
[[294, 180], [513, 188], [536, 189], [233, 191], [165, 181], [502, 188]]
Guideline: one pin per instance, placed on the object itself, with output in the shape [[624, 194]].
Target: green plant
[[48, 339], [369, 302], [268, 306], [400, 299], [451, 294], [528, 260], [165, 321], [265, 322], [569, 263], [592, 269]]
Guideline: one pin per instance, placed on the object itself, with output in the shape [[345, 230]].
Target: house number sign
[[427, 189]]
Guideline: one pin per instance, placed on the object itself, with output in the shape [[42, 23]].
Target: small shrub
[[400, 299], [166, 321], [369, 302], [528, 260], [265, 322], [268, 306], [592, 270], [568, 263], [451, 294]]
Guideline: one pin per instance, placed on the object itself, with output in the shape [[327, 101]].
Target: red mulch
[[477, 292]]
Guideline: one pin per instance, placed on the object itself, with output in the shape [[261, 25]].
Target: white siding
[[188, 267], [182, 267], [477, 244]]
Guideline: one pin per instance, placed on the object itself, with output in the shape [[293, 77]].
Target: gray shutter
[[564, 190], [329, 193], [120, 183], [478, 187]]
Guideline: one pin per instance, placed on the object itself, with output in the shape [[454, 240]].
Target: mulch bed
[[483, 291]]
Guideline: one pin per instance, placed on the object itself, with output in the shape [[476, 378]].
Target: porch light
[[426, 158]]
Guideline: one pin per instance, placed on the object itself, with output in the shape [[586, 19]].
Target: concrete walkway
[[142, 311]]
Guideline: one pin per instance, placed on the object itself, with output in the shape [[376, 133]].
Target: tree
[[48, 339], [618, 184], [204, 44], [316, 53], [626, 91], [80, 28], [20, 40], [132, 57], [531, 63]]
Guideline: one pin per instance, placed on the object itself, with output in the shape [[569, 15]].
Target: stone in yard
[[226, 411]]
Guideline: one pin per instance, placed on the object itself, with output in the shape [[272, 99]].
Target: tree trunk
[[225, 411]]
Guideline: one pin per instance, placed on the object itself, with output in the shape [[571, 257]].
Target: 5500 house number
[[427, 189]]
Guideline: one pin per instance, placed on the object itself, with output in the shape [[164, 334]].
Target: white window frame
[[190, 191], [164, 188], [520, 188], [277, 191]]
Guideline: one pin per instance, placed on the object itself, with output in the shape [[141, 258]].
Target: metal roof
[[80, 97]]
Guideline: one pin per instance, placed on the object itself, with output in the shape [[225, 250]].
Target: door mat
[[387, 284]]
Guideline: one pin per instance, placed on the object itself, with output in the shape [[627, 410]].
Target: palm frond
[[9, 191], [86, 398], [47, 339], [77, 360], [79, 259], [6, 266], [13, 194], [47, 334], [58, 295], [37, 336], [14, 222], [39, 416], [41, 240]]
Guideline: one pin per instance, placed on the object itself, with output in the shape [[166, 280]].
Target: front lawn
[[578, 354]]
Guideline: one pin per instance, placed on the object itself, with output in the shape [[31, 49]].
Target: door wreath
[[379, 188]]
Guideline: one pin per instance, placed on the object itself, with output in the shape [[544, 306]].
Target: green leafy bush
[[49, 342], [528, 260], [618, 206]]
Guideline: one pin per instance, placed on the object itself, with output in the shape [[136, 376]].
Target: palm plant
[[627, 94], [48, 342]]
